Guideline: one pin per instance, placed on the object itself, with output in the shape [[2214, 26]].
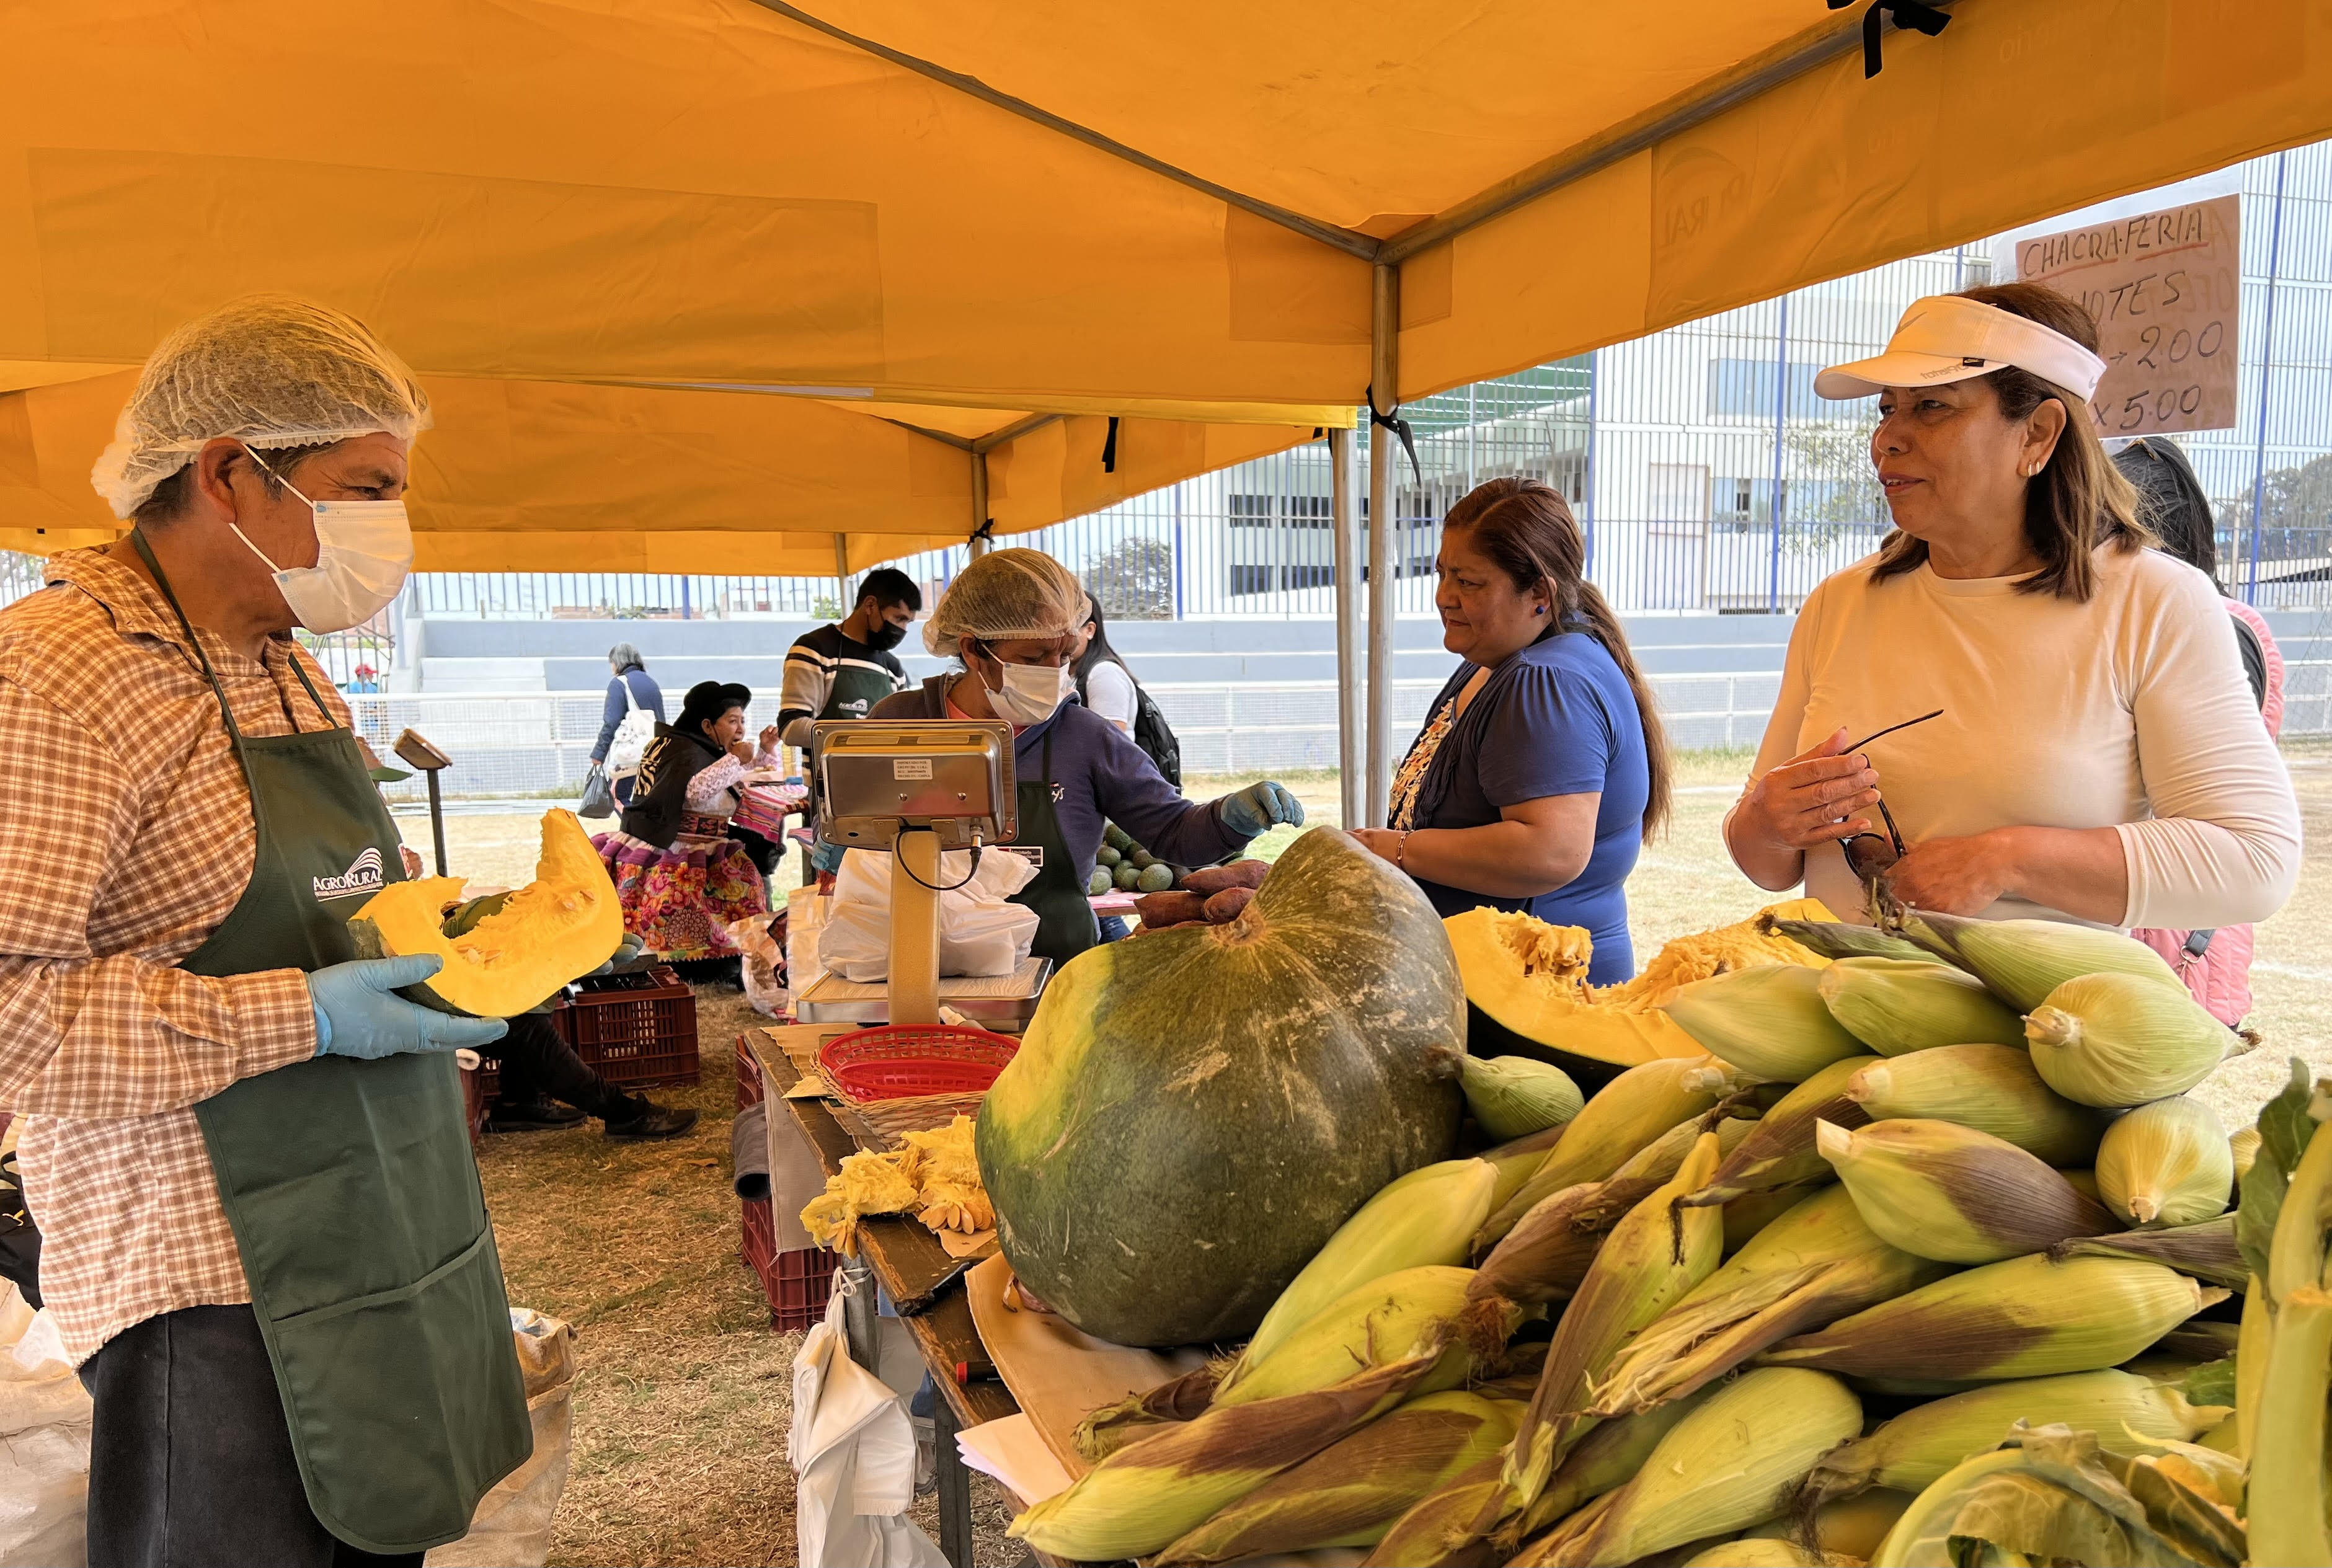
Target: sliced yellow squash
[[564, 924], [1527, 983]]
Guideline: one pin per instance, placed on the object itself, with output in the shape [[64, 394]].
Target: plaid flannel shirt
[[126, 836]]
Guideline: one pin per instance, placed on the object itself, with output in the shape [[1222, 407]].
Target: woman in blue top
[[1542, 764]]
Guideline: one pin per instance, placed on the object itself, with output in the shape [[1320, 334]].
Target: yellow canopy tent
[[744, 211]]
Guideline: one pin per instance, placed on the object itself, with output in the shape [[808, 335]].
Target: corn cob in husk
[[1768, 1552], [1517, 1161], [1734, 1462], [1385, 1320], [2119, 1039], [1424, 1219], [1543, 1258], [2208, 1251], [1780, 1150], [1846, 1527], [1437, 1530], [1956, 1195], [1838, 939], [1631, 1111], [1918, 1448], [1815, 1265], [1150, 1493], [2026, 1317], [1608, 1457], [1656, 1253], [1769, 1021], [2022, 961], [2166, 1163], [2285, 1435], [1897, 1006], [1350, 1492], [1993, 1089], [1110, 1428], [1514, 1097], [2244, 1147]]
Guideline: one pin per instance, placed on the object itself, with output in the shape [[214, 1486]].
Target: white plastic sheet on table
[[853, 1451]]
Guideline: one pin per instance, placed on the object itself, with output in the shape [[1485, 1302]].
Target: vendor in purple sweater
[[1012, 617]]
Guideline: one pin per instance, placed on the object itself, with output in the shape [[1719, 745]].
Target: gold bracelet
[[1399, 850]]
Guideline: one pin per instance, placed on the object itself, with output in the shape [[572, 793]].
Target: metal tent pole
[[2267, 368], [841, 574], [1351, 746], [1384, 398], [978, 546]]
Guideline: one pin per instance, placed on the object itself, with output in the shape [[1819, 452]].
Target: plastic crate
[[797, 1283], [632, 1029]]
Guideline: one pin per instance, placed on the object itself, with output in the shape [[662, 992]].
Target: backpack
[[1156, 737]]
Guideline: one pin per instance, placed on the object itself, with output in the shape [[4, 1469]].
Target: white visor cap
[[1949, 338]]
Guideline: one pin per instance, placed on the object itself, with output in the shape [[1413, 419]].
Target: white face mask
[[364, 552], [1031, 692]]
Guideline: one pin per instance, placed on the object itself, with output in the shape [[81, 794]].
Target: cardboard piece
[[1059, 1374]]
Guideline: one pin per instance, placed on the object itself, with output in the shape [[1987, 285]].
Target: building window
[[1746, 386], [1250, 579], [1250, 511]]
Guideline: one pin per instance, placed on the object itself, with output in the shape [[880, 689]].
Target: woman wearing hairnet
[[264, 1244], [1012, 617]]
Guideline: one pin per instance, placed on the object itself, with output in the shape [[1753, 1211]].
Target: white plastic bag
[[44, 1421], [512, 1526], [980, 932], [853, 1451], [761, 963]]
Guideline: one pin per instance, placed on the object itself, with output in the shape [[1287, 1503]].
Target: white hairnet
[[268, 369], [1005, 595]]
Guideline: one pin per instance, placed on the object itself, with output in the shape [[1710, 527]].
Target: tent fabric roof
[[709, 234]]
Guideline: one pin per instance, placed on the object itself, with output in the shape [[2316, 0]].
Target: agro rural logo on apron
[[363, 876]]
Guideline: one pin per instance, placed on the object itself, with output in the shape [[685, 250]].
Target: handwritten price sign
[[2164, 288]]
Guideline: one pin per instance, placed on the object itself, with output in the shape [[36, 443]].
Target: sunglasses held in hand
[[1868, 854]]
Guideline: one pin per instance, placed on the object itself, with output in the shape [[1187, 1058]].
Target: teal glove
[[359, 1014], [1259, 808]]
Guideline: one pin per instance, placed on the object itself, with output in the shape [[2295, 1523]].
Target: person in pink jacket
[[2216, 965]]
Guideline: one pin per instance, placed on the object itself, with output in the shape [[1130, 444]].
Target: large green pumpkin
[[1195, 1111]]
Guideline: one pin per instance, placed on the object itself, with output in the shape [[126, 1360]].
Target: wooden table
[[906, 1259]]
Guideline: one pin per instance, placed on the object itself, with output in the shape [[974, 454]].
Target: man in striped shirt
[[842, 671]]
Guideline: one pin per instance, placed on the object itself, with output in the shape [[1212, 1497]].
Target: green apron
[[351, 1188], [1066, 926]]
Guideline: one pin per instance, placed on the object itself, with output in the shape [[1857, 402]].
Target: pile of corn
[[1907, 1270], [934, 1173]]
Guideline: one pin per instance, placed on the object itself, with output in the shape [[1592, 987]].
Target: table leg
[[955, 1488], [860, 1320]]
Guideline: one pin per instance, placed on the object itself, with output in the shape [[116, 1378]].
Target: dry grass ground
[[686, 1395]]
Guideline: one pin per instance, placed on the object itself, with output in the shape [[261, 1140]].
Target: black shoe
[[655, 1121], [531, 1116]]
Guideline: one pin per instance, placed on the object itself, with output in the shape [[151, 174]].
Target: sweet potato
[[1225, 906], [1161, 909], [1214, 879]]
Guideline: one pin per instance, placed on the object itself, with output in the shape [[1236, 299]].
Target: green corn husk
[[2244, 1148], [1517, 1161], [1993, 1089], [1948, 1193], [1150, 1492], [1814, 1264], [1426, 1217], [2166, 1163], [2119, 1039], [1438, 1531], [1608, 1457], [1732, 1463], [1918, 1448], [1382, 1321], [2022, 961], [1780, 1152], [1656, 1253], [1837, 939], [2026, 1317], [1514, 1097], [1895, 1006], [1847, 1527], [2207, 1251], [1544, 1256], [1350, 1493], [2284, 1439], [1767, 1551], [1747, 1215], [2055, 1495], [1105, 1430], [1628, 1112], [1768, 1021]]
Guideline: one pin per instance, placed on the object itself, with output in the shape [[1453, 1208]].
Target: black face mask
[[885, 637]]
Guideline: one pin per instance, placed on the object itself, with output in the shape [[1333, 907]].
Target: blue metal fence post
[[1780, 415], [2267, 365], [1587, 483]]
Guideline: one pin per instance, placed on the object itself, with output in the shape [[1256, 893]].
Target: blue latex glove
[[1259, 808], [359, 1014]]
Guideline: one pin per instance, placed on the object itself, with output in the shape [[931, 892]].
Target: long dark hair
[[1097, 652], [1527, 529], [2080, 500]]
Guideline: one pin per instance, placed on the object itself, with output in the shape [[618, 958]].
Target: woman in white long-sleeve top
[[2093, 752]]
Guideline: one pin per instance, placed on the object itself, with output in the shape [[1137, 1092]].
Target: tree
[[2294, 511], [1133, 580], [1833, 488]]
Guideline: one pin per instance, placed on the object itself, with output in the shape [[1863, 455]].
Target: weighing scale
[[914, 788]]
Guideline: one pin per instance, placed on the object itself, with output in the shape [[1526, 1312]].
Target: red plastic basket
[[797, 1284], [891, 1062]]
